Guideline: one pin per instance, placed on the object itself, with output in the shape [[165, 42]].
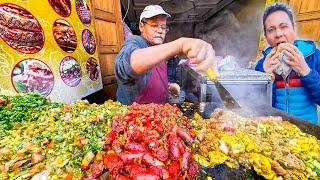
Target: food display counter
[[41, 139]]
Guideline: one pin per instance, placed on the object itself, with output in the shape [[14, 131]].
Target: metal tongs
[[228, 101]]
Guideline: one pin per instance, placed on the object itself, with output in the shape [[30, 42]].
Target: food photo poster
[[49, 47]]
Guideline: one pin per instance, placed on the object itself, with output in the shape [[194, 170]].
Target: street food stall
[[52, 55]]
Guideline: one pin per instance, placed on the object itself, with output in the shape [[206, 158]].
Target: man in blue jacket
[[298, 93]]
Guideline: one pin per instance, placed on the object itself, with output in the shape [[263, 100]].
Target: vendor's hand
[[201, 53], [296, 60], [272, 62], [174, 89]]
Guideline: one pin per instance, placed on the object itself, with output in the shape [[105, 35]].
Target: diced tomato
[[85, 168], [110, 137], [80, 141], [88, 158], [51, 145], [97, 168], [18, 164], [2, 101], [192, 133], [69, 176], [36, 157], [174, 169], [113, 163]]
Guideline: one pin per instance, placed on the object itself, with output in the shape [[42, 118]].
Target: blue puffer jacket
[[297, 95]]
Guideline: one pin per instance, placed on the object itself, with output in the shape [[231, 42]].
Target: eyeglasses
[[272, 30], [156, 27]]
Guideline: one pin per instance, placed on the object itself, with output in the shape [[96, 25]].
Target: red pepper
[[193, 169], [185, 160], [174, 152], [135, 147], [149, 160], [174, 129], [146, 122], [154, 170], [184, 136], [97, 168], [128, 158], [181, 146], [135, 169], [161, 154]]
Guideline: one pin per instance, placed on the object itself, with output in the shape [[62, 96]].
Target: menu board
[[49, 47]]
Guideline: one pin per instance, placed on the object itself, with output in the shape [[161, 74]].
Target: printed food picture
[[62, 7], [49, 45], [93, 69], [70, 71], [20, 29], [88, 41], [32, 75], [65, 35], [83, 12]]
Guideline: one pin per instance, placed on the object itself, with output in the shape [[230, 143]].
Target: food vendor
[[296, 87], [141, 65]]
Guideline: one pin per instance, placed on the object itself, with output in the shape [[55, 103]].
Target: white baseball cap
[[152, 10]]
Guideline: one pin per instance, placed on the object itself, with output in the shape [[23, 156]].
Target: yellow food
[[272, 147]]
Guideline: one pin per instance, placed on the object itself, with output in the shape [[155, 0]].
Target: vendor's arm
[[198, 51]]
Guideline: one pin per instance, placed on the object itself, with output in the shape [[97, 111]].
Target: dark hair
[[277, 7]]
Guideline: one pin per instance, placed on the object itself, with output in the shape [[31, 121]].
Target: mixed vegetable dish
[[41, 139]]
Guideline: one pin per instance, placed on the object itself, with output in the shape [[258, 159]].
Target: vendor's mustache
[[159, 37]]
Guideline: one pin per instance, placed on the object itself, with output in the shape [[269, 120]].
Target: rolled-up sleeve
[[123, 69]]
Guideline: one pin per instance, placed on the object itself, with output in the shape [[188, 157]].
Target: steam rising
[[235, 30]]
